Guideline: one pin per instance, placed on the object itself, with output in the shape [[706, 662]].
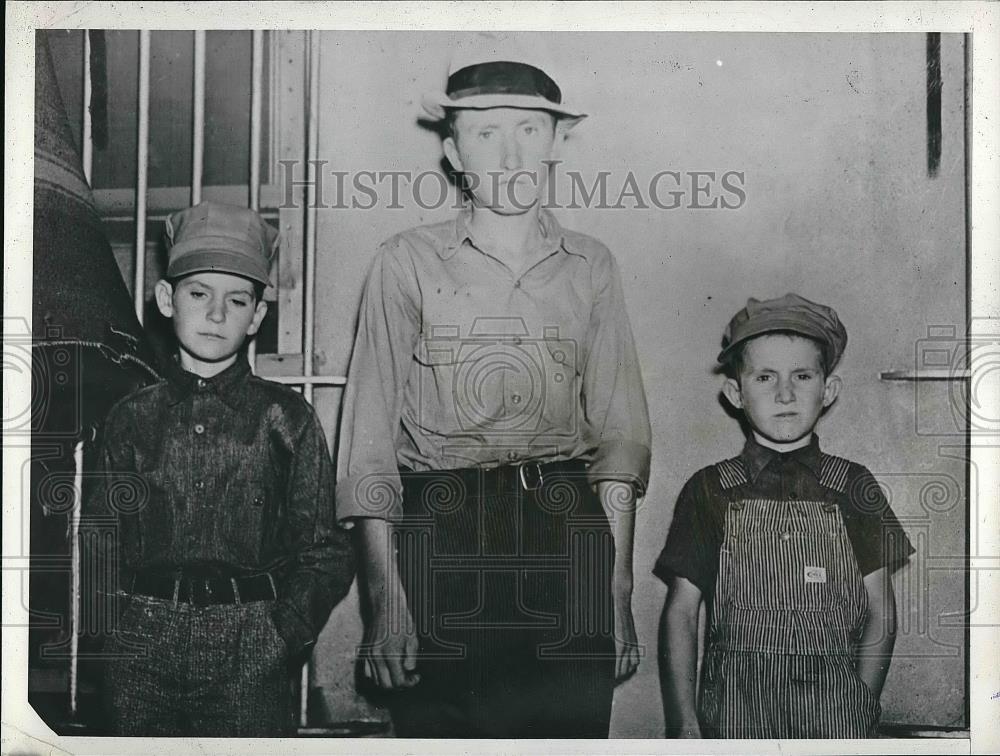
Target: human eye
[[805, 375], [762, 378], [486, 134], [530, 129], [197, 294], [239, 301]]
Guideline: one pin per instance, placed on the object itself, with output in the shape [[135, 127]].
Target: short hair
[[448, 123], [258, 287], [733, 366]]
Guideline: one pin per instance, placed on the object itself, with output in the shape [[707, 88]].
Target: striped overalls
[[789, 605]]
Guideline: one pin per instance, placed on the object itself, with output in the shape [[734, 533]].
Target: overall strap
[[732, 473], [834, 473]]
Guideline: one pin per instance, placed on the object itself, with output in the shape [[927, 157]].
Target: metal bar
[[88, 125], [256, 76], [312, 148], [256, 93], [310, 380], [925, 374], [198, 131], [119, 204], [74, 640], [309, 275], [142, 178]]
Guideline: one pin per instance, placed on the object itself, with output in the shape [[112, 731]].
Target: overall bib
[[789, 607]]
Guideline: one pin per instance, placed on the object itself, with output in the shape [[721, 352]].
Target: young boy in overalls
[[219, 488], [790, 548]]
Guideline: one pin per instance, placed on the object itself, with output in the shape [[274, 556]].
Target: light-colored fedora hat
[[499, 71]]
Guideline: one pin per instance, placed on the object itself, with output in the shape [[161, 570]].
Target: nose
[[511, 153], [217, 311], [785, 393]]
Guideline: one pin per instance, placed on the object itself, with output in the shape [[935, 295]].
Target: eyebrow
[[195, 282]]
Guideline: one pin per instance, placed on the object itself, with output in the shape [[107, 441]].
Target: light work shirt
[[461, 362]]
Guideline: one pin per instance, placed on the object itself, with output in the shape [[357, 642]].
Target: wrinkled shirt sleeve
[[320, 566], [388, 328], [613, 394]]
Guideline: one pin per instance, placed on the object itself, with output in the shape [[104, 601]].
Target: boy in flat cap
[[495, 437], [789, 548], [220, 488]]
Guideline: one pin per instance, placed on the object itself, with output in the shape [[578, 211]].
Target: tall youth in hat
[[494, 422]]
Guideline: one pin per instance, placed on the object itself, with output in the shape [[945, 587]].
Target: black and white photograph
[[525, 376]]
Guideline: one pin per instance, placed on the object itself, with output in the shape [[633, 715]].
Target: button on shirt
[[228, 476], [460, 362]]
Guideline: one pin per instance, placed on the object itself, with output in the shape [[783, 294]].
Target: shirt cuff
[[625, 461], [376, 495]]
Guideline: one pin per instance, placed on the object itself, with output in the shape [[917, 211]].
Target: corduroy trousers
[[508, 579]]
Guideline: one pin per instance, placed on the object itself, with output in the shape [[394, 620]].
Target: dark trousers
[[197, 671], [510, 590]]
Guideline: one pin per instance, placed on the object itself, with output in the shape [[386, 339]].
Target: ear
[[258, 318], [164, 293], [733, 393], [832, 390], [451, 152], [563, 126]]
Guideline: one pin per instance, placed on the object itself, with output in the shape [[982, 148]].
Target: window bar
[[309, 275], [198, 137], [74, 640], [88, 126], [256, 76], [312, 380], [142, 178]]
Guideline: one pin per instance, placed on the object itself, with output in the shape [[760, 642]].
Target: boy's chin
[[210, 360], [786, 439]]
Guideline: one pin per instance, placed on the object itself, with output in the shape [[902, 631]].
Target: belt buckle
[[199, 591], [523, 478]]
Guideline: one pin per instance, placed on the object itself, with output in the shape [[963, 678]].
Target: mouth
[[218, 336], [784, 415]]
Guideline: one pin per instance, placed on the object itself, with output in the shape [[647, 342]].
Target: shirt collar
[[553, 236], [756, 457], [229, 385]]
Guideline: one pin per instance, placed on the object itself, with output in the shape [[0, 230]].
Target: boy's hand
[[692, 730], [389, 654], [626, 641], [618, 501]]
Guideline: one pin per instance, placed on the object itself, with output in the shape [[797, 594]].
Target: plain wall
[[830, 133]]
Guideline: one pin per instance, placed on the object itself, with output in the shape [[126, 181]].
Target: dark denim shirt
[[227, 476]]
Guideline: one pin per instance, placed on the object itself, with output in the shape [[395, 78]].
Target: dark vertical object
[[98, 88], [87, 351], [933, 103]]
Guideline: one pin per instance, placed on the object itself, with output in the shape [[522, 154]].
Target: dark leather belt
[[202, 591], [527, 476]]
